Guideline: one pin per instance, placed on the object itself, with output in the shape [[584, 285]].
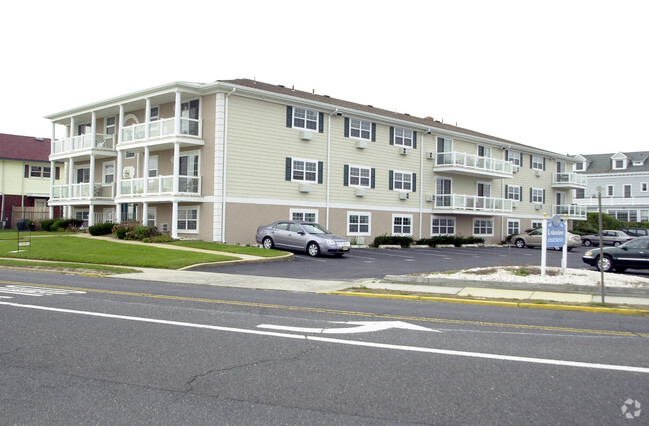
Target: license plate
[[345, 248]]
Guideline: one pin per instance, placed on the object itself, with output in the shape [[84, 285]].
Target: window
[[513, 227], [484, 189], [442, 226], [483, 227], [304, 171], [609, 190], [443, 191], [188, 219], [619, 164], [402, 181], [129, 154], [189, 113], [109, 172], [82, 215], [360, 176], [515, 158], [403, 137], [38, 172], [155, 113], [358, 223], [110, 125], [644, 187], [444, 144], [484, 151], [83, 175], [151, 216], [627, 191], [537, 162], [644, 215], [537, 195], [537, 224], [401, 224], [360, 129], [514, 192], [579, 166], [580, 193], [305, 119], [153, 166], [304, 215]]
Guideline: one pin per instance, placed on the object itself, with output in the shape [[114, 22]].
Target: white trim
[[349, 177], [403, 129], [394, 179], [198, 219], [483, 219], [517, 222], [434, 216], [360, 129], [293, 160], [303, 211], [369, 224], [103, 173], [402, 234]]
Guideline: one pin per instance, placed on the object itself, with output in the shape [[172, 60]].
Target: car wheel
[[587, 243], [605, 263], [617, 243], [268, 243], [313, 249], [520, 243]]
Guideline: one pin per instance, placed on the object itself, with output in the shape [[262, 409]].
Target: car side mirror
[[301, 232]]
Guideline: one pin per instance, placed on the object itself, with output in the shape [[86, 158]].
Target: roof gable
[[24, 148]]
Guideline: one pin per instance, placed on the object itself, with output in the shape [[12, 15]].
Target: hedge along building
[[213, 161]]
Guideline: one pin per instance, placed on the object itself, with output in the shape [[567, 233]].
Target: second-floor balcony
[[82, 191], [84, 144], [569, 181], [472, 165], [160, 185], [572, 211], [165, 127], [472, 203]]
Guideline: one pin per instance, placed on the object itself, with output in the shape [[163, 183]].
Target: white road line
[[557, 362]]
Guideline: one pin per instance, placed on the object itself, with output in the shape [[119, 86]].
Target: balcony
[[473, 203], [83, 144], [472, 165], [571, 211], [82, 192], [617, 202], [162, 129], [569, 181], [160, 185]]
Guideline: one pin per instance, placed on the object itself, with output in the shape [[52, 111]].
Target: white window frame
[[305, 116], [403, 137], [580, 166], [360, 129], [303, 215], [39, 172], [486, 151], [610, 190], [110, 129], [537, 196], [483, 231], [187, 221], [622, 164], [129, 154], [152, 216], [624, 190], [513, 226], [439, 226], [156, 116], [450, 143], [485, 186], [83, 215], [360, 177], [76, 173], [401, 233], [152, 167], [358, 231], [303, 170], [537, 162], [105, 174], [644, 186], [537, 224], [514, 157], [514, 195], [401, 181]]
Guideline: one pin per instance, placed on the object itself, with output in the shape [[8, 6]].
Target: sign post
[[554, 235]]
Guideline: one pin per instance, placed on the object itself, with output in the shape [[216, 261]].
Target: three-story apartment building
[[213, 161]]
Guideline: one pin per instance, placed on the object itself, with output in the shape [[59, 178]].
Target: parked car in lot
[[636, 232], [609, 237], [304, 236], [634, 254], [534, 238]]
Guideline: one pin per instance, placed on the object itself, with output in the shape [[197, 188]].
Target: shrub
[[53, 225], [456, 240], [144, 233], [101, 229], [46, 224], [121, 230], [162, 238], [392, 240]]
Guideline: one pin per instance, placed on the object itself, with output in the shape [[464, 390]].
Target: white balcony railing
[[613, 201], [160, 185], [83, 142], [161, 128], [572, 211], [472, 203], [569, 179], [473, 162], [81, 191]]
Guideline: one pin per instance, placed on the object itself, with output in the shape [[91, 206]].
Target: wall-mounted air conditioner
[[430, 155], [538, 206], [404, 151], [305, 187], [539, 173], [404, 195], [164, 227], [360, 192], [361, 144], [514, 203], [305, 135], [515, 168], [430, 197]]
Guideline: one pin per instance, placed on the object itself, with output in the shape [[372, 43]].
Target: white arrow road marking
[[419, 349], [26, 290], [361, 327]]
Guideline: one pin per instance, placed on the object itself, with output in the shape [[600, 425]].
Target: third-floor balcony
[[472, 165], [83, 145], [569, 181], [472, 203], [163, 129], [160, 185]]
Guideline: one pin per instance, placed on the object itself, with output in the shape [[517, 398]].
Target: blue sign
[[555, 232]]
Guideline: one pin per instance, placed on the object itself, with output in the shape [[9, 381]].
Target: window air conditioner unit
[[430, 197], [430, 155], [404, 195], [515, 203], [538, 173], [305, 135], [538, 206], [360, 192], [404, 151], [361, 144], [164, 227], [515, 168], [305, 187]]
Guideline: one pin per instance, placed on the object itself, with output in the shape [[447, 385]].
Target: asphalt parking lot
[[377, 263]]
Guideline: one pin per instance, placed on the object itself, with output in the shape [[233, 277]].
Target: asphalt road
[[377, 263], [104, 350]]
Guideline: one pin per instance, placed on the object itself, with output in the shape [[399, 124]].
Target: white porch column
[[145, 213], [177, 114], [71, 178], [91, 215], [52, 172], [92, 176], [176, 167], [145, 171], [147, 118], [174, 220], [118, 212], [93, 130], [71, 130]]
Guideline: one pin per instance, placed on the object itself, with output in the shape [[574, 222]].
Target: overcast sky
[[567, 76]]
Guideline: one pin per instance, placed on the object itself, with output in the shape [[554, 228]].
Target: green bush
[[592, 223], [46, 225], [456, 240], [101, 229], [161, 238], [53, 225], [136, 231], [144, 233], [392, 240]]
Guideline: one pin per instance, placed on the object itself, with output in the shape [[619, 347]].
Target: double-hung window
[[360, 129], [537, 195], [483, 227], [403, 137], [515, 157], [305, 119], [304, 171], [188, 219], [442, 226], [110, 125], [358, 223], [38, 172], [610, 191], [402, 181], [109, 172], [401, 224], [537, 162], [513, 227], [360, 176], [304, 215], [513, 192]]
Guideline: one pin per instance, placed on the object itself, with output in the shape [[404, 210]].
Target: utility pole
[[601, 239]]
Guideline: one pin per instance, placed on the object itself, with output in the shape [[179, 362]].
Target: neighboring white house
[[623, 180]]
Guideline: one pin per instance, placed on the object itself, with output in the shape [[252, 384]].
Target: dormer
[[619, 161], [581, 164]]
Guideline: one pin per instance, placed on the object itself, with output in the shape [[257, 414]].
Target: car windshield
[[638, 243], [314, 228]]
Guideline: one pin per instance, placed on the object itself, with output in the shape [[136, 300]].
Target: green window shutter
[[414, 140], [414, 182], [373, 178], [506, 154], [289, 116], [530, 161], [521, 157], [543, 163], [321, 122], [521, 191], [544, 196], [373, 132], [506, 192], [531, 195], [346, 127], [320, 171], [391, 186], [346, 175], [289, 163], [391, 135]]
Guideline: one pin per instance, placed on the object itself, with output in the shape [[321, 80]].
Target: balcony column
[[91, 215], [93, 134], [176, 167], [145, 213], [70, 177], [145, 172], [147, 118], [91, 194], [177, 114], [52, 172], [71, 130], [174, 221]]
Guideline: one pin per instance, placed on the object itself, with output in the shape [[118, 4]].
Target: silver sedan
[[303, 236]]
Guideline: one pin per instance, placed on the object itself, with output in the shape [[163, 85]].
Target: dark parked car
[[636, 232], [634, 254], [609, 237], [304, 236]]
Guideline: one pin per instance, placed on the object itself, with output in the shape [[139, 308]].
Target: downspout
[[225, 163], [421, 182], [328, 168]]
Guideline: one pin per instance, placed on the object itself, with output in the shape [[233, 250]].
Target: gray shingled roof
[[601, 163]]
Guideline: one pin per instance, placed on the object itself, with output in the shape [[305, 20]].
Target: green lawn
[[255, 251]]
